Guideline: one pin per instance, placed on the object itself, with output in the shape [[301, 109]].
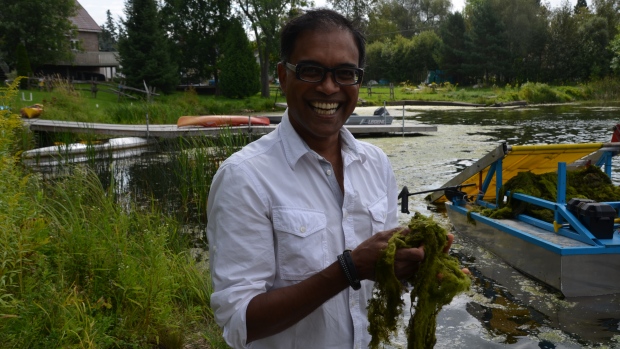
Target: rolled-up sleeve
[[242, 257]]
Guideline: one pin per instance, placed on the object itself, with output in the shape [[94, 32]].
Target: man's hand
[[406, 261]]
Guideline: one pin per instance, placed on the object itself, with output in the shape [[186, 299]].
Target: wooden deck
[[172, 131]]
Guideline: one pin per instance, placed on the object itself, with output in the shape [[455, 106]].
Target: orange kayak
[[222, 120]]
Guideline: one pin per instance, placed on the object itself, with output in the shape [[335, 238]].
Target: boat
[[33, 111], [381, 116], [114, 148], [222, 120], [578, 253]]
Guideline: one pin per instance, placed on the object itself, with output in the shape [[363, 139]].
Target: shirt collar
[[295, 147]]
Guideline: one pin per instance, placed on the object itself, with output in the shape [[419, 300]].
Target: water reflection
[[504, 308]]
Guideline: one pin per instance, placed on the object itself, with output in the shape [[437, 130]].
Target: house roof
[[84, 21]]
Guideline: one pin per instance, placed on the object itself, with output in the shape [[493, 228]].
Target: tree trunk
[[264, 72]]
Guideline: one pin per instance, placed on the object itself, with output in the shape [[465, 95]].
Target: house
[[89, 63]]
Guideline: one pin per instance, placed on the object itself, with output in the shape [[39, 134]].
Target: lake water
[[504, 308]]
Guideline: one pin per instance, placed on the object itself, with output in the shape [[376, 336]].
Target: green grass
[[77, 270], [75, 103]]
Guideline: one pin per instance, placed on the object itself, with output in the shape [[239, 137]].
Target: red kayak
[[222, 120]]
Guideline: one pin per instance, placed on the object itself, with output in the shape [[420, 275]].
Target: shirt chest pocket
[[300, 242], [378, 214]]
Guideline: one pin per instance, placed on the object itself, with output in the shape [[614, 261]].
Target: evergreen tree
[[240, 75], [452, 57], [487, 53], [562, 50], [144, 48], [108, 39], [581, 5], [23, 65], [195, 28]]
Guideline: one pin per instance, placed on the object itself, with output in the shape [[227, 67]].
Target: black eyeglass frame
[[297, 67]]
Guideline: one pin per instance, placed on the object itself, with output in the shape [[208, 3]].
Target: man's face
[[318, 110]]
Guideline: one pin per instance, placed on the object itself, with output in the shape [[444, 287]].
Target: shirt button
[[302, 229], [345, 214], [328, 172]]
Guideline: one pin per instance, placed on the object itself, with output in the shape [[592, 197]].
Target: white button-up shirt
[[276, 216]]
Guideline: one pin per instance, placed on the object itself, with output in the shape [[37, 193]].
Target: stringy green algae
[[437, 281], [587, 183]]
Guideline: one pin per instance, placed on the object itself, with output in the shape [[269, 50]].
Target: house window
[[75, 44]]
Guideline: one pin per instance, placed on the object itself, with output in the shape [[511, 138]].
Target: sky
[[97, 8]]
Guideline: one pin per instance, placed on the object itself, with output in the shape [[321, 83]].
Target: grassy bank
[[75, 102], [79, 271]]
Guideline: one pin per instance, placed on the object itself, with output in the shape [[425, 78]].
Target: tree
[[412, 17], [42, 26], [239, 76], [195, 29], [108, 38], [23, 65], [144, 48], [614, 46], [562, 51], [487, 54], [380, 25], [594, 56], [452, 51], [424, 55], [354, 10], [265, 18], [581, 5]]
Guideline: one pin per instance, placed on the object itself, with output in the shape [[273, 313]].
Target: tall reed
[[194, 163], [77, 270]]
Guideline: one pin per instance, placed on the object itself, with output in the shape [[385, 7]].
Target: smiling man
[[298, 218]]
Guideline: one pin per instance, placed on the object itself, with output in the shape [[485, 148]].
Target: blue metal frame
[[578, 232]]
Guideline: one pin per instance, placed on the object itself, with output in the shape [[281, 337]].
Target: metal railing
[[94, 59]]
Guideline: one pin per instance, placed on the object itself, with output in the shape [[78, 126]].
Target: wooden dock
[[172, 131]]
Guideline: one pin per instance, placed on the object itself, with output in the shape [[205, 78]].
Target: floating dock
[[173, 131]]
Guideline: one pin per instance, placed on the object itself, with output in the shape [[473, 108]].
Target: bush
[[538, 93]]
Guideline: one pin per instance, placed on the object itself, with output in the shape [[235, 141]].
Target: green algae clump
[[589, 182], [437, 281]]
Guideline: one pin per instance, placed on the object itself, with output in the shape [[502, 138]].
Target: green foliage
[[266, 18], [452, 33], [403, 59], [144, 48], [487, 57], [582, 5], [607, 89], [437, 281], [41, 25], [614, 46], [407, 19], [108, 38], [195, 27], [23, 65], [78, 270], [194, 164], [239, 77], [540, 93]]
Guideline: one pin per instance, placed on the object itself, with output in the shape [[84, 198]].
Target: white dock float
[[172, 131]]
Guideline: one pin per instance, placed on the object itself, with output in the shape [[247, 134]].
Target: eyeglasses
[[344, 76]]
